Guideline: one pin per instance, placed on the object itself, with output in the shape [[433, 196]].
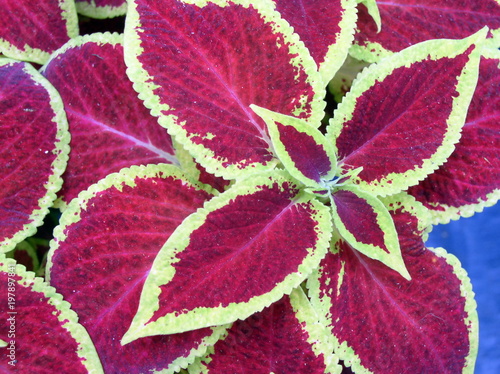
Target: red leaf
[[429, 19], [32, 31], [33, 150], [273, 340], [243, 251], [401, 118], [258, 242], [309, 156], [359, 218], [325, 27], [201, 83], [99, 262], [110, 127], [471, 176], [301, 148], [426, 325], [41, 332]]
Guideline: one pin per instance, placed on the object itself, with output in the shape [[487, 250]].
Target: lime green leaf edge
[[393, 259], [98, 38], [78, 41], [188, 166], [371, 52], [219, 332], [270, 118], [318, 337], [433, 49], [35, 54], [443, 214], [67, 317], [471, 320], [407, 203], [345, 353], [124, 177], [61, 148], [338, 51], [162, 271], [373, 11], [142, 83], [92, 10]]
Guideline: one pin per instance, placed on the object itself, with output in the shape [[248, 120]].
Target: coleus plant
[[255, 240]]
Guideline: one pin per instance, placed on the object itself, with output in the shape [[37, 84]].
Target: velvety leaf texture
[[326, 28], [32, 33], [89, 73], [426, 325], [399, 129], [429, 19], [58, 345], [199, 69], [271, 341], [411, 219], [470, 178], [233, 258], [33, 131], [304, 150], [104, 250]]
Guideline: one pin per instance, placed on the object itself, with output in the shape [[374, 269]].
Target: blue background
[[476, 243]]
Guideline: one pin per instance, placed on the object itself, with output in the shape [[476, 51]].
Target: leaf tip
[[129, 336], [399, 265]]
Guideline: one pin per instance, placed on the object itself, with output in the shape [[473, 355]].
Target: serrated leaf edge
[[163, 272], [142, 83], [67, 317], [432, 49], [54, 182]]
